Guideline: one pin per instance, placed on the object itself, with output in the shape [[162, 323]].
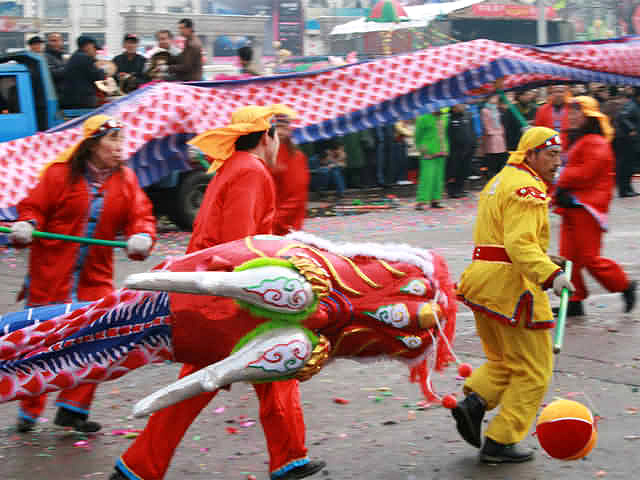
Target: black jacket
[[627, 122], [80, 73], [133, 66], [462, 137], [56, 67]]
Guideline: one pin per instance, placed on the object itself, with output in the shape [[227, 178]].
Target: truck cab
[[28, 101]]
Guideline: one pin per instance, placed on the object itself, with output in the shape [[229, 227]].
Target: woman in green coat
[[433, 145]]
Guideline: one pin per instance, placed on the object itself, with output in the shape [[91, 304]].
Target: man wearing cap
[[240, 201], [80, 73], [36, 44], [584, 191], [130, 65], [504, 286]]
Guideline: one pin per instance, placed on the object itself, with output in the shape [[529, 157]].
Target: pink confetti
[[204, 450], [248, 424], [219, 410], [81, 444]]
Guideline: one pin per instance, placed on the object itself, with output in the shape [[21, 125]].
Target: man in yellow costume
[[504, 286]]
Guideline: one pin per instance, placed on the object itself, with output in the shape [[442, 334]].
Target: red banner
[[512, 11]]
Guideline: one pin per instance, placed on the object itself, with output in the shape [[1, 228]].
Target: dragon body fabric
[[336, 300]]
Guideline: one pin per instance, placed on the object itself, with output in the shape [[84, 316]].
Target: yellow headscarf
[[591, 108], [219, 143], [533, 138], [91, 126]]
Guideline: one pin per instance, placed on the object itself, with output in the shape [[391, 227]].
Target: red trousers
[[77, 399], [580, 242], [150, 454]]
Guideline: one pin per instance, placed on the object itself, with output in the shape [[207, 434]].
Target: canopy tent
[[159, 119], [419, 16]]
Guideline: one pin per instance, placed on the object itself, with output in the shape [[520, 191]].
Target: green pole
[[69, 238], [562, 313], [513, 109], [203, 161]]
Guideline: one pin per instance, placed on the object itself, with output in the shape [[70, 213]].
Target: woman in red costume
[[87, 191], [584, 192], [291, 176]]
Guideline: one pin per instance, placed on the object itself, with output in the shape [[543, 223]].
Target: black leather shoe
[[469, 414], [629, 194], [436, 205], [77, 421], [25, 425], [117, 476], [629, 296], [494, 452], [303, 471]]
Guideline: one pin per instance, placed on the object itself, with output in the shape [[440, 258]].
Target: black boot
[[25, 425], [629, 296], [77, 421], [494, 452], [469, 414], [306, 470]]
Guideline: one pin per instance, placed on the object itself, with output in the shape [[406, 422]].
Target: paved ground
[[383, 433]]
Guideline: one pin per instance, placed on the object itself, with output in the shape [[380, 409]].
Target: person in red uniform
[[240, 201], [86, 192], [291, 176], [583, 194], [554, 114]]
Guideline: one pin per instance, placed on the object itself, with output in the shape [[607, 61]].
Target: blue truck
[[28, 104]]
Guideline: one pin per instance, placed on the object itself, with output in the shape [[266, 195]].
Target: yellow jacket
[[513, 213]]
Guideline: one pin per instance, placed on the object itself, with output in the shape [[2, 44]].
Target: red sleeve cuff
[[549, 282]]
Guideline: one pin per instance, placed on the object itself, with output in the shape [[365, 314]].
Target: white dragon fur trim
[[392, 252]]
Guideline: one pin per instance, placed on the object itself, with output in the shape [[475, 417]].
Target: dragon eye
[[415, 287]]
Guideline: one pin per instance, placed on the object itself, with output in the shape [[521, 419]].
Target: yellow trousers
[[516, 375]]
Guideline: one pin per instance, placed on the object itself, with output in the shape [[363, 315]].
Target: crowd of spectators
[[445, 150], [82, 81]]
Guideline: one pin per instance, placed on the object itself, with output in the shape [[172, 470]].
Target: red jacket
[[292, 190], [240, 201], [590, 172], [62, 271], [544, 118]]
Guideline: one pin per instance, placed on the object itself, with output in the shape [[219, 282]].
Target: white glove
[[139, 245], [560, 282], [21, 233]]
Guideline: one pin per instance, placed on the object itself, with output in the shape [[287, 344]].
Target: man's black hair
[[245, 53], [84, 40], [252, 140], [186, 22]]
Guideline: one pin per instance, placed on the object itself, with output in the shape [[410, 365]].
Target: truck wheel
[[190, 193]]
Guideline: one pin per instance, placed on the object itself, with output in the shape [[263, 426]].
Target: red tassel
[[419, 374]]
